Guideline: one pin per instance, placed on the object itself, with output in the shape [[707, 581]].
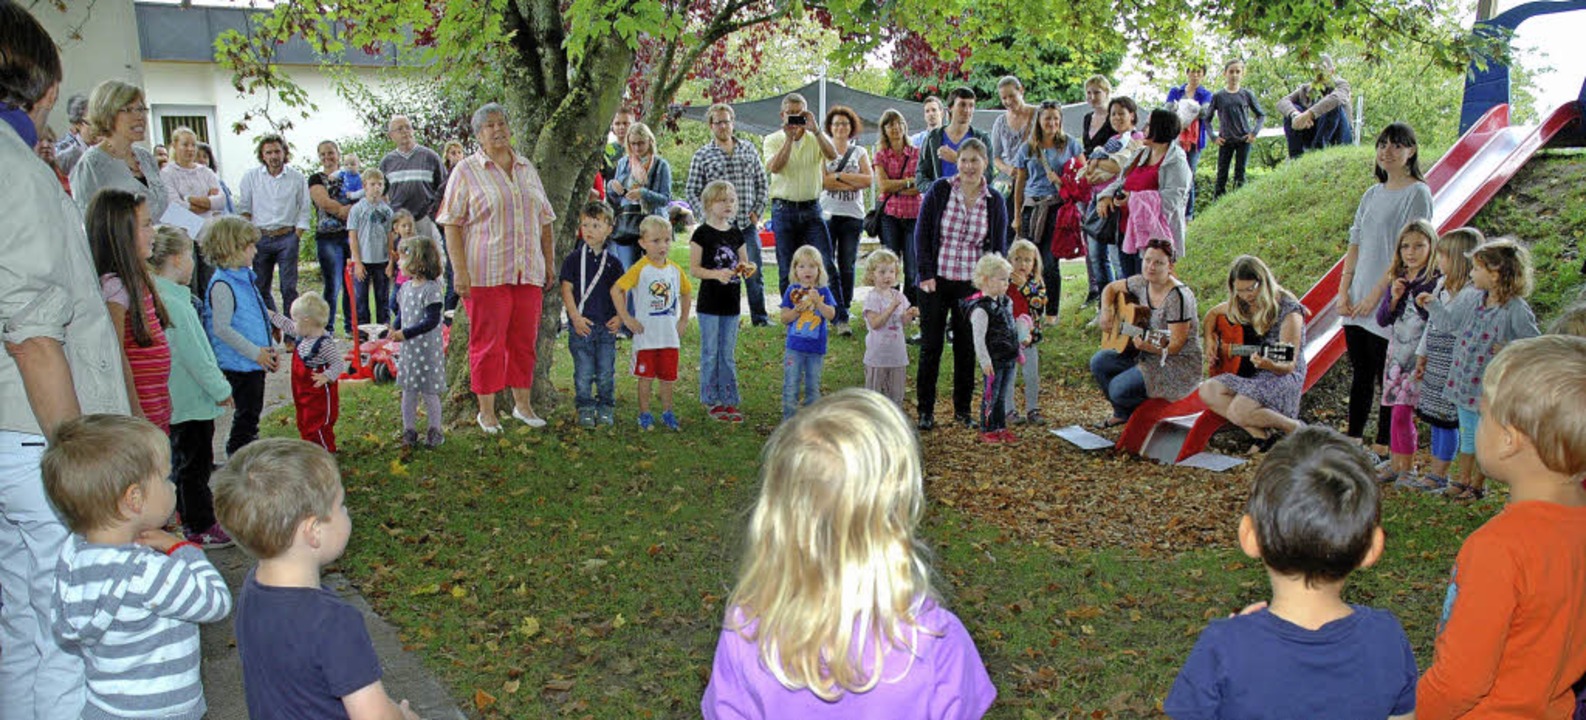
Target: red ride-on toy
[[374, 355]]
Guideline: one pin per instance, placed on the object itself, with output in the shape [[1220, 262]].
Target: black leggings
[[1051, 274], [1368, 355]]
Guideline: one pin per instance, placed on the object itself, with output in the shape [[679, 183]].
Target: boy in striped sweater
[[128, 595]]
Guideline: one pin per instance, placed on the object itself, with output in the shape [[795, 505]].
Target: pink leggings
[[1403, 440]]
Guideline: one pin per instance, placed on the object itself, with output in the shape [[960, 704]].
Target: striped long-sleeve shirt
[[131, 613]]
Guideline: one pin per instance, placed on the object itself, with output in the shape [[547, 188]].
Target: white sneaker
[[533, 421]]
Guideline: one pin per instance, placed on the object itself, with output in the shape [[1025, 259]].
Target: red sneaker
[[718, 412], [991, 438], [732, 414]]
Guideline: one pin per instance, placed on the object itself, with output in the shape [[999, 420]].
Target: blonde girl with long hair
[[1435, 354], [1263, 395], [834, 614]]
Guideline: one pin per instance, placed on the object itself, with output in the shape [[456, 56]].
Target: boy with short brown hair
[[1513, 636], [305, 651]]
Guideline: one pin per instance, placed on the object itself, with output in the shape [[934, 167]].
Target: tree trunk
[[559, 116]]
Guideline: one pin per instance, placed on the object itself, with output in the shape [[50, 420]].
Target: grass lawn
[[575, 573]]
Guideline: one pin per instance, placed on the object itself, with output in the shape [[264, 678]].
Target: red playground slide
[[1463, 181]]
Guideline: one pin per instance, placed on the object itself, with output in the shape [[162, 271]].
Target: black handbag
[[873, 217], [1104, 229], [626, 233]]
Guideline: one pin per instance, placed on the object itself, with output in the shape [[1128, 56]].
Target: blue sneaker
[[670, 421], [646, 421], [608, 416]]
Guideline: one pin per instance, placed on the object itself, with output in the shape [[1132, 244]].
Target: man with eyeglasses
[[724, 158]]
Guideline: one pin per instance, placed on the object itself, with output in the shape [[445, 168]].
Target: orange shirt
[[1513, 636]]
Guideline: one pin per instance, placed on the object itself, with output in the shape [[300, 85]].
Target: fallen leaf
[[510, 687], [529, 627], [483, 700]]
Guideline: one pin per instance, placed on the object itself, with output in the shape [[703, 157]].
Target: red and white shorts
[[656, 364]]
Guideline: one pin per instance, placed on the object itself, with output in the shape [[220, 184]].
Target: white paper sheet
[[1084, 439], [1212, 461], [177, 214]]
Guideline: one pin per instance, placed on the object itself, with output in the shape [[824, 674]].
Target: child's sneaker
[[433, 438], [670, 421], [212, 538], [1035, 418], [410, 438], [732, 414], [717, 412], [1014, 419], [646, 421], [608, 416], [993, 437], [586, 417]]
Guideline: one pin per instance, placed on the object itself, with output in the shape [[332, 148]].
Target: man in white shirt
[[274, 198]]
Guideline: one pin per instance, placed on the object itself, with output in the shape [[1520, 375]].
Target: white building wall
[[193, 84], [106, 47]]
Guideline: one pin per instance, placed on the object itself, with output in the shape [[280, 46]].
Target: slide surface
[[1463, 181]]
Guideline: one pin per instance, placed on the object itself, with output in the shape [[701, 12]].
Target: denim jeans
[[374, 278], [628, 254], [718, 363], [1194, 158], [332, 251], [277, 251], [1128, 264], [1330, 129], [797, 225], [1101, 262], [754, 285], [1120, 380], [897, 235], [594, 363], [936, 310], [845, 232], [800, 370], [38, 678], [1236, 153], [993, 403]]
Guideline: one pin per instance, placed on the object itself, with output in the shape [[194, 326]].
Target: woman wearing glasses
[[120, 116]]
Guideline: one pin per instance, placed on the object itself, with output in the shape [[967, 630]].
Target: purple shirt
[[944, 679]]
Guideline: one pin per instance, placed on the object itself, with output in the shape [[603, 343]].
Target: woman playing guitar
[[1253, 343]]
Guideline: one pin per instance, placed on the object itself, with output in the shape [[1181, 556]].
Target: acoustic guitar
[[1231, 338], [1133, 321]]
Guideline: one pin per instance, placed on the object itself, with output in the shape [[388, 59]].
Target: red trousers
[[317, 407], [503, 327]]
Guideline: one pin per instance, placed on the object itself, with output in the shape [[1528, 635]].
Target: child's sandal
[[1461, 492]]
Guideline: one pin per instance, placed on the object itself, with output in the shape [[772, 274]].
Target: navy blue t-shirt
[[597, 281], [807, 332], [1262, 666], [302, 651]]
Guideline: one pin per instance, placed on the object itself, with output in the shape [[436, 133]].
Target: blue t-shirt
[[1262, 666], [302, 651], [807, 333], [950, 169], [582, 269]]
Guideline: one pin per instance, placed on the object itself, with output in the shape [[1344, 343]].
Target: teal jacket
[[197, 383]]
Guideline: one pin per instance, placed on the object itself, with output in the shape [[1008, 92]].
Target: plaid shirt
[[964, 231], [742, 168], [501, 218]]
